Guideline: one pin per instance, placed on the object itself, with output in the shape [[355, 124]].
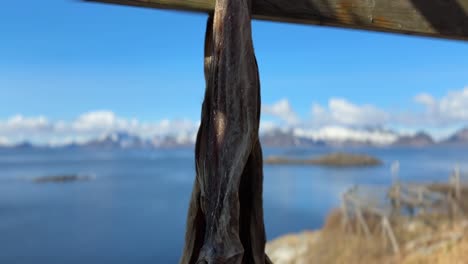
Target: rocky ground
[[293, 248]]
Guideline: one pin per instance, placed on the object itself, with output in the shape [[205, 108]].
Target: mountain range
[[273, 138]]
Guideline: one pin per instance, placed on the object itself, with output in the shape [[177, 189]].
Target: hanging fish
[[225, 218]]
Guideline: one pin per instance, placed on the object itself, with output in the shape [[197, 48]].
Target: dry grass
[[456, 253], [338, 246], [446, 188], [335, 245]]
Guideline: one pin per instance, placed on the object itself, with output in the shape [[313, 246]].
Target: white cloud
[[342, 112], [17, 128], [87, 126], [267, 126], [451, 108], [425, 99], [19, 122], [282, 110], [337, 120], [98, 120]]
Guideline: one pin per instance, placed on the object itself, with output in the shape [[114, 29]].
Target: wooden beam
[[433, 18]]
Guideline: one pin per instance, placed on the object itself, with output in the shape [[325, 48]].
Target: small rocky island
[[332, 160], [63, 178]]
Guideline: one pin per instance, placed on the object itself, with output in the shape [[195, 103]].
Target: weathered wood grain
[[434, 18]]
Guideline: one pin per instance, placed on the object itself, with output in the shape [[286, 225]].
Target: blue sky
[[62, 58]]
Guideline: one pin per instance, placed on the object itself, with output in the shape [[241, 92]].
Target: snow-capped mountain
[[297, 137], [459, 138], [114, 140]]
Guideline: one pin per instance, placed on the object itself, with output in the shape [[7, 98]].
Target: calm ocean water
[[135, 209]]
